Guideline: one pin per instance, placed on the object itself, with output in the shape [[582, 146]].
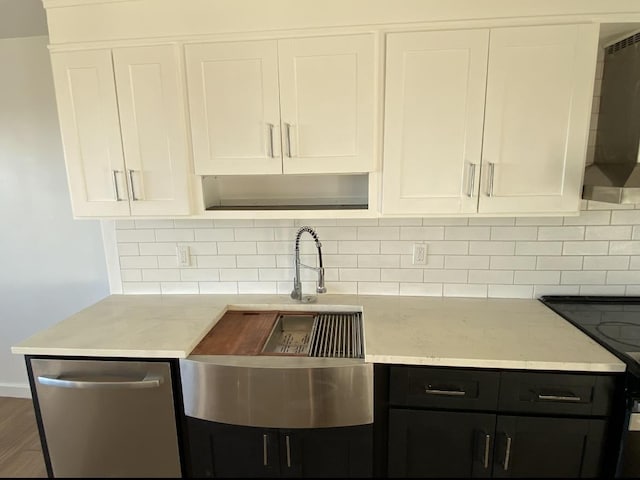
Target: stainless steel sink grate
[[337, 335]]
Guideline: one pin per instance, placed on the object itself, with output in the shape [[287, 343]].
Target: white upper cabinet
[[327, 95], [123, 131], [434, 106], [521, 150], [539, 92], [89, 123], [234, 106], [283, 106]]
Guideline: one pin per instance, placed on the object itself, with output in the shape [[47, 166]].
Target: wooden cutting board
[[238, 333]]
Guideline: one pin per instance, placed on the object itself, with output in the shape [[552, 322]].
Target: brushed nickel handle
[[149, 381], [507, 454], [115, 186], [559, 398], [287, 127], [265, 455], [271, 150], [286, 438], [492, 171], [471, 181], [438, 391], [133, 191], [487, 444]]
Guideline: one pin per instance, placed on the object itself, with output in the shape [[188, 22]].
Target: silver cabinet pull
[[507, 454], [487, 445], [492, 171], [265, 456], [149, 381], [133, 192], [286, 438], [472, 179], [437, 391], [287, 127], [115, 186], [559, 398], [271, 150]]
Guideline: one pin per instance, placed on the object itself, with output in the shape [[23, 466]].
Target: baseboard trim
[[16, 390]]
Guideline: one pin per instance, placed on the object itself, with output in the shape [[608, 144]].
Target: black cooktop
[[612, 321]]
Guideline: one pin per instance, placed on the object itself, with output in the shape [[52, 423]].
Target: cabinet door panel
[[88, 113], [439, 444], [434, 108], [327, 88], [538, 447], [539, 91], [234, 107], [153, 125]]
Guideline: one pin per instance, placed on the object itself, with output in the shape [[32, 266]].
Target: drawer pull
[[507, 454], [450, 393], [487, 444], [265, 451], [559, 398]]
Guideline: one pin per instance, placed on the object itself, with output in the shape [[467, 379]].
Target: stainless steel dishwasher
[[103, 418]]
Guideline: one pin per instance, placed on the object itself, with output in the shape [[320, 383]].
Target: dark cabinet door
[[345, 452], [220, 450], [440, 444], [548, 447]]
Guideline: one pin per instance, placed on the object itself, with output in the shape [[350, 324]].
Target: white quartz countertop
[[452, 332]]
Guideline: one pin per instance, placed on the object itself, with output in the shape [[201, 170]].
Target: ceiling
[[22, 18]]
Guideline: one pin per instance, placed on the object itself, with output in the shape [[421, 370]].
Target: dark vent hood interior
[[614, 176]]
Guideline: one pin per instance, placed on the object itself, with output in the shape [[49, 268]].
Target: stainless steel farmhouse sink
[[306, 370]]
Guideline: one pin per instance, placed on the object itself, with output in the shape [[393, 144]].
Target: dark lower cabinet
[[548, 447], [438, 444], [424, 443], [221, 450]]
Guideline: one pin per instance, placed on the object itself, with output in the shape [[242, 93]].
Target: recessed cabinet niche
[[123, 130], [293, 106], [488, 121]]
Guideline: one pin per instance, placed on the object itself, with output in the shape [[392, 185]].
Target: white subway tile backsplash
[[561, 233], [584, 277], [219, 287], [491, 248], [510, 291], [382, 261], [595, 252], [138, 262], [175, 235], [466, 262], [378, 233], [608, 233], [214, 235], [421, 289], [467, 233], [555, 262], [514, 233], [421, 233], [401, 275], [378, 288]]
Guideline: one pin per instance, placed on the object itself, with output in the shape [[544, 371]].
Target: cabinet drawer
[[448, 388], [556, 393]]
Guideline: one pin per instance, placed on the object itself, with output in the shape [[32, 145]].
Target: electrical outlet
[[419, 253], [184, 256]]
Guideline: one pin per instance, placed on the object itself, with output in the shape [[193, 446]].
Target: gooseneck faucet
[[296, 294]]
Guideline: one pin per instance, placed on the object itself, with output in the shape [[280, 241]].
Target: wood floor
[[20, 450]]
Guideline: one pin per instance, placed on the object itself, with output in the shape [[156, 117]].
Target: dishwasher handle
[[149, 381]]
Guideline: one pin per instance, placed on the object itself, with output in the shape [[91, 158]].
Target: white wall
[[50, 265]]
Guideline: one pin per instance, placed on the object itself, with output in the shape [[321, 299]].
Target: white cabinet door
[[434, 106], [234, 107], [153, 126], [539, 91], [88, 113], [328, 104]]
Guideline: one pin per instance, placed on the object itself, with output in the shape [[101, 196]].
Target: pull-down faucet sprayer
[[297, 283]]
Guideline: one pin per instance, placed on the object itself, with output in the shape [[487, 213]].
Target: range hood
[[614, 176]]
